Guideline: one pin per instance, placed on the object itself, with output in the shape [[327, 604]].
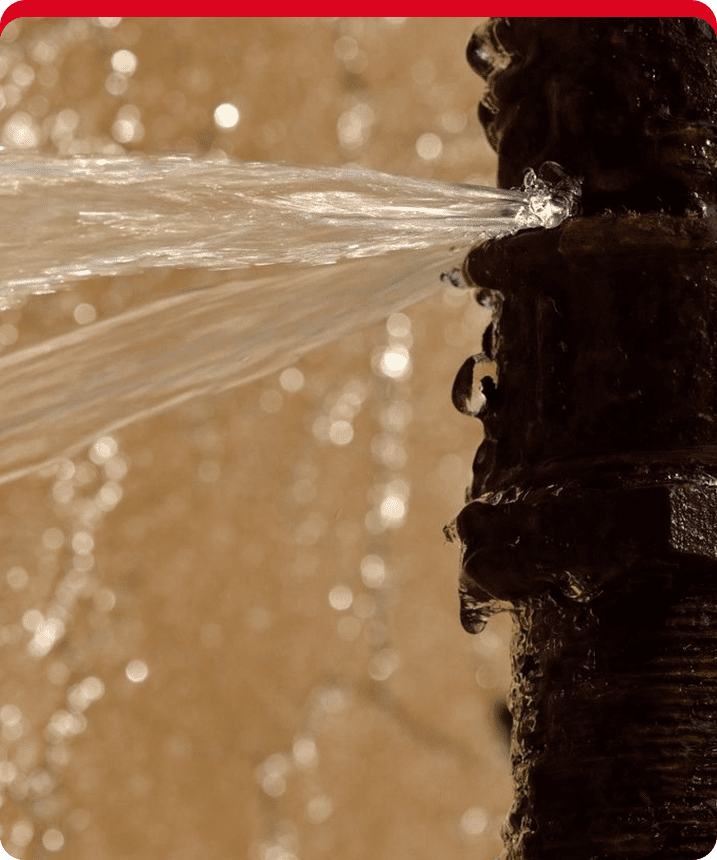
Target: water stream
[[300, 257]]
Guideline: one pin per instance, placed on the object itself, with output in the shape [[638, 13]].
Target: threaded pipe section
[[615, 721]]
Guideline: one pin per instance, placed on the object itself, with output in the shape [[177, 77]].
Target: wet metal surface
[[592, 509]]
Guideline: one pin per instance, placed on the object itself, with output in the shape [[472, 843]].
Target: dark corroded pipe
[[593, 509]]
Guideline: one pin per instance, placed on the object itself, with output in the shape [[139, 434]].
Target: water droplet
[[477, 607], [46, 635], [22, 833], [373, 571], [116, 85], [271, 774], [305, 752], [291, 380], [81, 696], [64, 124], [21, 131], [10, 715], [124, 62], [85, 313], [17, 577], [384, 664], [52, 839], [473, 385], [83, 543], [226, 116], [473, 614], [393, 509], [398, 325], [333, 700], [340, 597], [124, 131], [104, 600], [346, 48], [353, 126], [23, 75], [474, 821], [454, 121], [429, 146], [341, 432], [103, 449], [108, 496], [136, 671]]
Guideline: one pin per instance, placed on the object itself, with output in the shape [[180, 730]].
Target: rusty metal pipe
[[593, 510]]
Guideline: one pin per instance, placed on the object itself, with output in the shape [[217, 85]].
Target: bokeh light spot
[[226, 116]]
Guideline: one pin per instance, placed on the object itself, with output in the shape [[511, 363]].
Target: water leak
[[324, 252], [226, 628], [116, 215]]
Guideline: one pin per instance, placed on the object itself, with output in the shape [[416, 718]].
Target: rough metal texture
[[626, 103], [593, 510]]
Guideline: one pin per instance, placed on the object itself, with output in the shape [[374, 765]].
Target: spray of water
[[302, 257]]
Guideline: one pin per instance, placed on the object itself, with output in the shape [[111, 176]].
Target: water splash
[[69, 219], [553, 195], [324, 251]]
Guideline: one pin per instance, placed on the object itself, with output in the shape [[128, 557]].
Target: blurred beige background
[[259, 653]]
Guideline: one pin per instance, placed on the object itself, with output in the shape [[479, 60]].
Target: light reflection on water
[[232, 630], [117, 215], [326, 252]]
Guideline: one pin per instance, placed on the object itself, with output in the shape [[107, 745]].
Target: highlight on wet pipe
[[592, 514]]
